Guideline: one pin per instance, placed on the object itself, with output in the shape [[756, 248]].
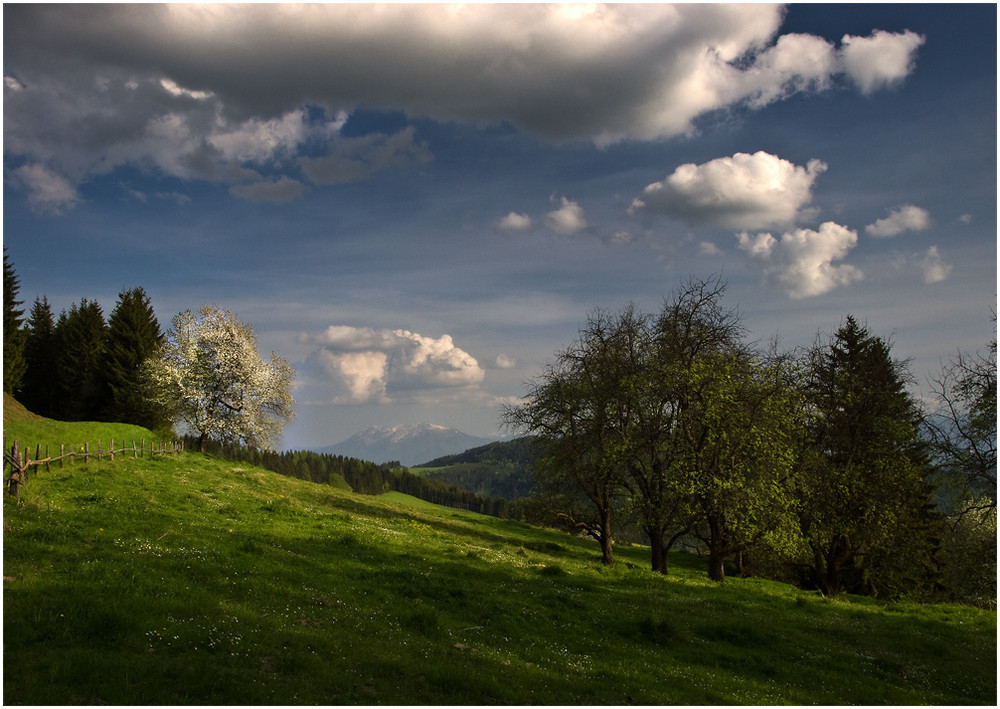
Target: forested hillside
[[501, 469]]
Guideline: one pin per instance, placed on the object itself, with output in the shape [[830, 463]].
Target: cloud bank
[[353, 365], [251, 94]]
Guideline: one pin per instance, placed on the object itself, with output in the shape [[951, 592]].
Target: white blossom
[[211, 376]]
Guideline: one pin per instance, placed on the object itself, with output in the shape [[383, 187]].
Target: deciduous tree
[[211, 377], [964, 426], [578, 409]]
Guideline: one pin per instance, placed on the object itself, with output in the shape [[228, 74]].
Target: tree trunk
[[716, 549], [607, 552], [829, 566], [202, 442], [658, 551]]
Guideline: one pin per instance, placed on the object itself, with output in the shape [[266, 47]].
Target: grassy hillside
[[192, 579]]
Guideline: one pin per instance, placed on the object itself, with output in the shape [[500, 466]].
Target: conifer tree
[[133, 336], [864, 504], [13, 336], [41, 390], [81, 336]]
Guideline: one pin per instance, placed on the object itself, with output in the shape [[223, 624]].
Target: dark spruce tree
[[41, 391], [13, 335], [80, 336], [133, 335], [864, 504]]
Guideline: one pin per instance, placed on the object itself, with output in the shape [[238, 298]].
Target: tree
[[210, 376], [41, 389], [133, 337], [13, 336], [668, 428], [578, 410], [964, 427], [741, 428], [864, 504], [80, 338]]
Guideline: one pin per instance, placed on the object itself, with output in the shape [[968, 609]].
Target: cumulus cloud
[[934, 267], [92, 87], [880, 60], [359, 365], [515, 222], [904, 218], [505, 362], [567, 220], [739, 192], [802, 261]]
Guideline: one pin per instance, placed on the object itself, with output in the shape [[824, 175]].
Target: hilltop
[[191, 579]]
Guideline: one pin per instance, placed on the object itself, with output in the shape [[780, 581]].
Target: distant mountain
[[409, 444]]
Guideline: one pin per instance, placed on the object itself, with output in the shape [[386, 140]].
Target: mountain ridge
[[410, 444]]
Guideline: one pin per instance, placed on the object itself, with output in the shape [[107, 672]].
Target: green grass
[[195, 580]]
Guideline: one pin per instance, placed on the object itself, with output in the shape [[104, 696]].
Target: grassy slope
[[191, 579]]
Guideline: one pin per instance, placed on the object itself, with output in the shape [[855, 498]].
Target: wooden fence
[[21, 462]]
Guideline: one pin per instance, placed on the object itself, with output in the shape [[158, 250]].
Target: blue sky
[[417, 205]]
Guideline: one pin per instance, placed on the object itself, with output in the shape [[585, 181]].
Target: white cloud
[[567, 220], [880, 60], [707, 248], [739, 192], [515, 222], [357, 365], [199, 90], [505, 362], [904, 218], [934, 267], [363, 374], [802, 261], [47, 191]]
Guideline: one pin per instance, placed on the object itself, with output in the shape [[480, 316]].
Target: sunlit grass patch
[[204, 582]]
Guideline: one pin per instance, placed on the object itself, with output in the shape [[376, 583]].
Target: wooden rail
[[21, 462]]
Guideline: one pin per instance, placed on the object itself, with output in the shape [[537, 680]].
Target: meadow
[[190, 579]]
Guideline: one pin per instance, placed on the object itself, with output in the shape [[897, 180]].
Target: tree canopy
[[211, 377]]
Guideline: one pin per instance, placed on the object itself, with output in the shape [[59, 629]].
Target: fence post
[[111, 447], [133, 449], [15, 466], [86, 452], [48, 458], [15, 471]]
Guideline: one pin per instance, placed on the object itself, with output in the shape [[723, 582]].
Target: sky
[[418, 205]]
